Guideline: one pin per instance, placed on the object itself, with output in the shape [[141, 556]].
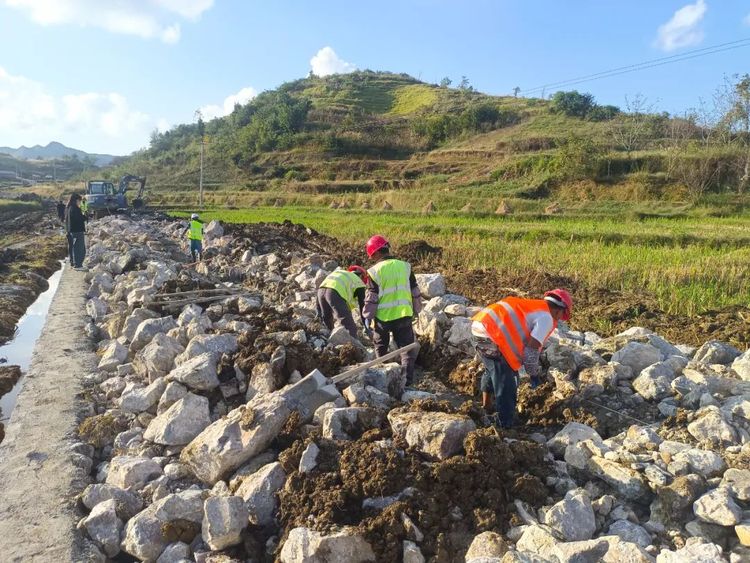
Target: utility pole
[[202, 133]]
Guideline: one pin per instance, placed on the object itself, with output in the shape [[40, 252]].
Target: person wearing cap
[[391, 301], [509, 335], [339, 294], [194, 232]]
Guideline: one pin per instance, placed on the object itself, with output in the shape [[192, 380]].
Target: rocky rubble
[[216, 434]]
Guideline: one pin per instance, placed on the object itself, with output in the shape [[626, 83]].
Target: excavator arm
[[129, 179]]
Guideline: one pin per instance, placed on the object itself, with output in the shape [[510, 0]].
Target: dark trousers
[[403, 335], [78, 249], [499, 378], [69, 238], [196, 248], [332, 308]]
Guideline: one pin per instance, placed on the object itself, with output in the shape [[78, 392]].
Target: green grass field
[[690, 264]]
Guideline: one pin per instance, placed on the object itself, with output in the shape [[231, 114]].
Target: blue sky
[[101, 75]]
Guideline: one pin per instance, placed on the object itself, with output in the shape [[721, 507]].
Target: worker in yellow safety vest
[[194, 232], [391, 301], [84, 205], [339, 294], [508, 336]]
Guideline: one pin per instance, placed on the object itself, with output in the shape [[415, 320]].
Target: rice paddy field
[[690, 264]]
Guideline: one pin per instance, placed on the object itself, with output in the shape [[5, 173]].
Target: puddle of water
[[18, 351]]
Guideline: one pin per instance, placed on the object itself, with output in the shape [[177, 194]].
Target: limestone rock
[[654, 381], [537, 539], [137, 399], [628, 482], [710, 427], [629, 532], [704, 462], [128, 472], [738, 483], [637, 356], [718, 507], [224, 518], [344, 546], [156, 359], [173, 392], [259, 493], [367, 395], [590, 551], [178, 552], [114, 355], [198, 373], [487, 544], [181, 422], [309, 459], [692, 553], [741, 366], [716, 352], [349, 423], [215, 344], [412, 553], [431, 285], [436, 434], [127, 504], [148, 329], [572, 433], [573, 516], [104, 527]]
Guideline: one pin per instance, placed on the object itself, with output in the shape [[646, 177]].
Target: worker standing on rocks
[[195, 235], [391, 301], [508, 335], [75, 229], [339, 294]]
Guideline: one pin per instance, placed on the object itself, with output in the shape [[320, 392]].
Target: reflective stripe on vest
[[394, 289], [506, 323], [345, 284], [196, 230]]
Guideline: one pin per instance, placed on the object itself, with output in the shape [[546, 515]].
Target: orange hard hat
[[360, 271], [375, 243], [561, 298]]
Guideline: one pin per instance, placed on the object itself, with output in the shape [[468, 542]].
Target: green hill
[[366, 137]]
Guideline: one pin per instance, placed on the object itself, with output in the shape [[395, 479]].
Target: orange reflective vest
[[506, 323]]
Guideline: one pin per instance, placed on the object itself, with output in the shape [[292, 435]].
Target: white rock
[[128, 472], [348, 423], [249, 303], [309, 459], [189, 312], [148, 329], [104, 527], [430, 285], [173, 392], [692, 553], [572, 433], [178, 552], [180, 423], [439, 435], [213, 230], [198, 373], [629, 532], [718, 507], [637, 356], [654, 382], [738, 483], [259, 493], [628, 482], [537, 539], [138, 399], [573, 516], [590, 551], [704, 462], [224, 518], [128, 504], [215, 344], [716, 352], [96, 309], [156, 359], [412, 553], [345, 546], [114, 355], [487, 544], [711, 427], [741, 365]]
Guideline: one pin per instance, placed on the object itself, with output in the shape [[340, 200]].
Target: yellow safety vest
[[394, 289], [84, 205], [196, 230], [345, 284]]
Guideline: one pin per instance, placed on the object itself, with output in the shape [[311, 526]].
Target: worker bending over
[[195, 234], [391, 301], [509, 335], [340, 293]]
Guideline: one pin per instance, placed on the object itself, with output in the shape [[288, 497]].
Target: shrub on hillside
[[583, 106]]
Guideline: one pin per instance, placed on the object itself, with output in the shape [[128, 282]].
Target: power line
[[695, 53]]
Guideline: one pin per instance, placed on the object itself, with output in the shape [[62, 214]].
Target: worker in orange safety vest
[[508, 335]]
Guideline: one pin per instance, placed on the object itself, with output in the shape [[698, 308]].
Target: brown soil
[[9, 376], [464, 494]]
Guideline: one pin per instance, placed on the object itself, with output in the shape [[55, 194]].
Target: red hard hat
[[562, 296], [360, 271], [375, 243]]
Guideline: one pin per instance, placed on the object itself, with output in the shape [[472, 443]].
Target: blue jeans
[[498, 378], [196, 247], [78, 247]]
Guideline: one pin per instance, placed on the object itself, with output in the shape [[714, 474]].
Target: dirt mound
[[449, 501], [291, 237], [418, 250]]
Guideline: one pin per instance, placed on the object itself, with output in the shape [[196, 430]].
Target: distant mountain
[[55, 150]]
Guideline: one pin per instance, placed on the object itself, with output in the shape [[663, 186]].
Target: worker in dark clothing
[[61, 211], [391, 301], [75, 227], [339, 294]]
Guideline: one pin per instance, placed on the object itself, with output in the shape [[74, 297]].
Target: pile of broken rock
[[211, 436]]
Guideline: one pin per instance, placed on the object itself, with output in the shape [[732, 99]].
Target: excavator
[[103, 198]]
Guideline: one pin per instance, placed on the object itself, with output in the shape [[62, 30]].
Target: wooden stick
[[230, 289], [195, 300], [367, 365]]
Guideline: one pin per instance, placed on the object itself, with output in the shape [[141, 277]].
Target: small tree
[[446, 82], [736, 121], [573, 103], [516, 91], [464, 85], [631, 129]]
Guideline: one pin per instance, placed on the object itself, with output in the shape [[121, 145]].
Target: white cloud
[[212, 111], [147, 19], [326, 62], [162, 125], [683, 29], [93, 121]]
